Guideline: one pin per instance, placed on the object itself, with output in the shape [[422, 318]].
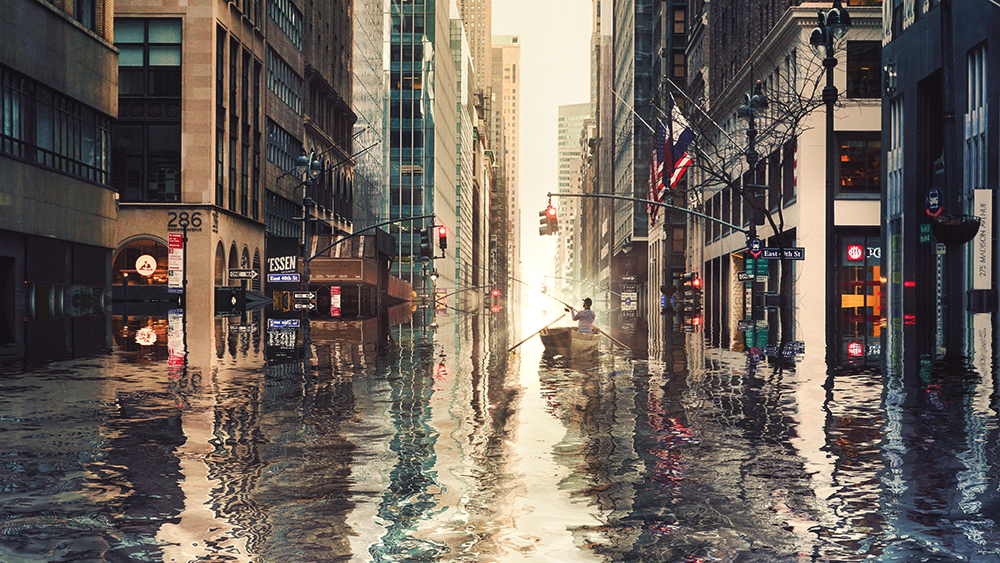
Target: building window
[[149, 59], [282, 147], [43, 126], [860, 162], [680, 21], [288, 18], [864, 69], [147, 144], [85, 12], [284, 81], [679, 67], [147, 161]]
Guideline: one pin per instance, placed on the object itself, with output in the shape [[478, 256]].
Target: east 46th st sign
[[791, 253]]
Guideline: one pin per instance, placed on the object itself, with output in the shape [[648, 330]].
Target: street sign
[[932, 201], [743, 276], [757, 267], [243, 274], [791, 253], [310, 295], [300, 306], [282, 323], [241, 329], [630, 301], [283, 278], [754, 245]]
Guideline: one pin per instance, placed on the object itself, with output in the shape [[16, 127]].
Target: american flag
[[678, 161], [656, 170]]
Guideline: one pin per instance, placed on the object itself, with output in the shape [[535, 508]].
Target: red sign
[[855, 252], [335, 301], [855, 350]]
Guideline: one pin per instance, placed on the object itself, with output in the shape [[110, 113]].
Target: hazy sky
[[555, 71]]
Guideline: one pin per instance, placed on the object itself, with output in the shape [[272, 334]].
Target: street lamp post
[[752, 103], [308, 167], [830, 26]]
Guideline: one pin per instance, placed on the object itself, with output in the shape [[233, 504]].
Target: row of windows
[[288, 18], [41, 125], [284, 81], [243, 116], [282, 147]]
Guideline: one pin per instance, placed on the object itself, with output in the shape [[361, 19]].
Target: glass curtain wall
[[411, 129]]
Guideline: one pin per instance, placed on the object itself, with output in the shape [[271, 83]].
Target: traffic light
[[543, 224], [426, 249], [553, 221], [442, 238], [495, 300]]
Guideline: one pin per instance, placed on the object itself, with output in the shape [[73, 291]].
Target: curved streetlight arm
[[358, 232], [652, 202]]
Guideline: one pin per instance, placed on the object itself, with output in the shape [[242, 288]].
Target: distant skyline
[[555, 71]]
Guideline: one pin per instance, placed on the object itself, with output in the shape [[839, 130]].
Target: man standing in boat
[[585, 317]]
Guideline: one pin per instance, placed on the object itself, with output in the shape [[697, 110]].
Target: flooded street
[[229, 442]]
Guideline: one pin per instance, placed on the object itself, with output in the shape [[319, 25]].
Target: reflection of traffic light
[[691, 304], [495, 300], [426, 250], [442, 238], [282, 300], [543, 224], [553, 221]]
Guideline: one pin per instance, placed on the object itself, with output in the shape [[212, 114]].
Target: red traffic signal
[[552, 219], [496, 293], [442, 237]]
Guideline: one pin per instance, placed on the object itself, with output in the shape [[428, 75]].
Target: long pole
[[613, 339], [650, 202], [536, 332], [830, 98]]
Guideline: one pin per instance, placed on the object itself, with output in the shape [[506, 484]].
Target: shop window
[[133, 257]]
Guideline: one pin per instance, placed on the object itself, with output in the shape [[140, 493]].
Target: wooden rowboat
[[569, 342]]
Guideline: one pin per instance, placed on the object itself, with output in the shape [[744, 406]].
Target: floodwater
[[218, 440]]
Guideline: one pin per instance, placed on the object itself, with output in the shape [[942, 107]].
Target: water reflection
[[218, 439]]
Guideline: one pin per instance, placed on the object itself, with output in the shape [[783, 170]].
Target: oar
[[534, 333], [613, 339]]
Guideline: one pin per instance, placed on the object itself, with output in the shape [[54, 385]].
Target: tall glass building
[[420, 153]]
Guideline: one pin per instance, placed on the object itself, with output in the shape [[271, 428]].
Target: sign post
[[175, 262]]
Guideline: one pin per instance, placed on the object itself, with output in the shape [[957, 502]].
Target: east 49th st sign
[[791, 253]]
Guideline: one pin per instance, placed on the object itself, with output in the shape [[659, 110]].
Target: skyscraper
[[572, 119], [421, 157], [506, 95]]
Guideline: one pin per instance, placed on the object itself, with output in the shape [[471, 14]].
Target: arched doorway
[[220, 265], [234, 263]]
